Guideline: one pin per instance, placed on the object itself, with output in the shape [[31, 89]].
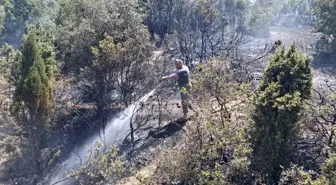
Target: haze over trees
[[68, 66]]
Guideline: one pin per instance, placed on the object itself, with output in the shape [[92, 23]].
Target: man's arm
[[173, 77]]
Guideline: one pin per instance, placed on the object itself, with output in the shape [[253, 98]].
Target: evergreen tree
[[286, 83], [33, 99]]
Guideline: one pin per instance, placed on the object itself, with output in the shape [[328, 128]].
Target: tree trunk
[[203, 46], [34, 143]]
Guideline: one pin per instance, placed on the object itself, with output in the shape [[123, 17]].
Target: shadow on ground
[[154, 139], [168, 130]]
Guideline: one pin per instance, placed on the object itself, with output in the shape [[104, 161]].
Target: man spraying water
[[183, 78]]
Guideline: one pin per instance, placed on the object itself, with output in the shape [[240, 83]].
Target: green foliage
[[326, 16], [143, 6], [14, 14], [295, 175], [225, 105], [300, 7], [286, 84], [82, 24], [108, 47], [296, 12], [329, 170], [33, 99], [18, 10], [325, 13], [43, 12], [260, 17], [34, 91], [2, 17], [123, 60], [207, 11], [10, 64]]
